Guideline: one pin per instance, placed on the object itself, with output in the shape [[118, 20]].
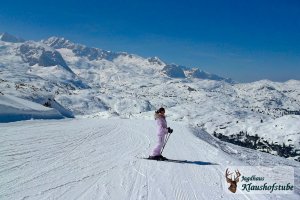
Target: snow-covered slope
[[16, 109], [100, 83], [36, 72], [99, 159]]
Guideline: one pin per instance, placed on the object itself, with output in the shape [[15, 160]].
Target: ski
[[168, 160], [182, 161]]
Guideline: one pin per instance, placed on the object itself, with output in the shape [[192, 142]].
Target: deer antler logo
[[233, 183]]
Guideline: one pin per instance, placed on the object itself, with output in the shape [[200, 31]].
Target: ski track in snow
[[99, 159]]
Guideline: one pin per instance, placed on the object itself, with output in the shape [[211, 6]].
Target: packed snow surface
[[100, 159]]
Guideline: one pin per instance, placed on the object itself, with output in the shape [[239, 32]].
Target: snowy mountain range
[[76, 80]]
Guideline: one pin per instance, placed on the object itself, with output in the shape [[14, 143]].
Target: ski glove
[[170, 130]]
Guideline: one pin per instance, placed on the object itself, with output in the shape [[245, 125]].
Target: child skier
[[162, 131]]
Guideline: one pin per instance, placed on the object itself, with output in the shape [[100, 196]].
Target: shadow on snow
[[190, 162], [185, 162]]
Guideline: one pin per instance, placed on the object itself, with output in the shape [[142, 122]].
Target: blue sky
[[242, 39]]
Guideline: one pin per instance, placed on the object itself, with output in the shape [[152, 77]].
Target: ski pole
[[166, 140]]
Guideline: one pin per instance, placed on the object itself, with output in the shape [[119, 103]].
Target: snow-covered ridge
[[171, 70], [16, 109], [198, 73], [82, 50], [6, 37], [42, 55]]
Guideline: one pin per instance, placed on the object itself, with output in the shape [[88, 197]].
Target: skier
[[162, 131]]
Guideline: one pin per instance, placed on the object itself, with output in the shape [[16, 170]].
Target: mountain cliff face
[[197, 73], [95, 82], [6, 37], [173, 71], [36, 53]]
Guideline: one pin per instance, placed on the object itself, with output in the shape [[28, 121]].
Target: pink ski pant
[[160, 144]]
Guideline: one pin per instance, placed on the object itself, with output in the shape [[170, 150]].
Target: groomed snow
[[99, 159]]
